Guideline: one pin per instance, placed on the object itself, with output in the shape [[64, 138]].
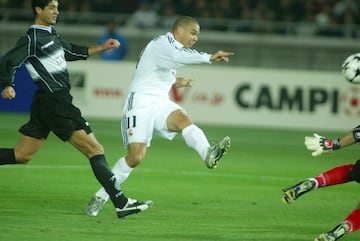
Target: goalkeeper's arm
[[319, 144]]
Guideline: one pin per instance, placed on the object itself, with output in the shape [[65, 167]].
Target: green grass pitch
[[239, 200]]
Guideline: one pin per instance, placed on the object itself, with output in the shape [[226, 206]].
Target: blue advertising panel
[[24, 88]]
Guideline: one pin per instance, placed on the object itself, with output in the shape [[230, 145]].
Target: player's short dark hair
[[39, 3], [183, 21]]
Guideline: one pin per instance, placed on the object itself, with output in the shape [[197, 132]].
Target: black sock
[[7, 156], [107, 180]]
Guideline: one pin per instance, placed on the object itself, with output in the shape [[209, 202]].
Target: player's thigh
[[86, 143], [26, 148], [137, 126]]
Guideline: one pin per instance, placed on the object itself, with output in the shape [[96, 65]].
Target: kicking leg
[[195, 138]]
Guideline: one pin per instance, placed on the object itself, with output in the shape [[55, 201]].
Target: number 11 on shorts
[[131, 122]]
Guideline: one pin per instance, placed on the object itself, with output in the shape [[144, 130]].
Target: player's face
[[48, 15], [189, 35]]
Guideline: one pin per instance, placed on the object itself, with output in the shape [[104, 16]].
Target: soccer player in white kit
[[149, 110]]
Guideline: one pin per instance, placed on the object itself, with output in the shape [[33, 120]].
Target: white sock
[[122, 171], [196, 139]]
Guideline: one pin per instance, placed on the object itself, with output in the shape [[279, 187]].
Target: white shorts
[[145, 115]]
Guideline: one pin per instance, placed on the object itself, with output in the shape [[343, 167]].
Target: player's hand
[[319, 144], [183, 82], [8, 93], [221, 56], [110, 44]]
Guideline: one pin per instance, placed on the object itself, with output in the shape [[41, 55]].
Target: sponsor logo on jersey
[[49, 44]]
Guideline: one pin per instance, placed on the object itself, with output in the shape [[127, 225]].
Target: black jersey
[[44, 54]]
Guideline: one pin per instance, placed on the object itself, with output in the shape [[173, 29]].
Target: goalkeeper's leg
[[337, 175], [350, 224]]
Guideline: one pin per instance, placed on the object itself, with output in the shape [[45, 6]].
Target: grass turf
[[240, 200]]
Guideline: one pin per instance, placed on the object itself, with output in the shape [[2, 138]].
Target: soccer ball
[[351, 68]]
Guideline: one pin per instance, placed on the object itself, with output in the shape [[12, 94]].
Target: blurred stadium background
[[301, 34], [288, 50]]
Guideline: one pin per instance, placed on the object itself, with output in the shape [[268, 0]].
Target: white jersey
[[148, 104], [156, 70]]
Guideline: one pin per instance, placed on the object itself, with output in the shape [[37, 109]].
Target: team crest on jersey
[[130, 132]]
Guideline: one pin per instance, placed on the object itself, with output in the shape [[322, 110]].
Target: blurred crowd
[[252, 15]]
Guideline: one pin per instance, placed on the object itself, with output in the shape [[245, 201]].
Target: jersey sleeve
[[172, 56], [74, 52], [13, 60]]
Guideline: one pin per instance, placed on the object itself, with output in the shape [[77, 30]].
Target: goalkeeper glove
[[319, 144]]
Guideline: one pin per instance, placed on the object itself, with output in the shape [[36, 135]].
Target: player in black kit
[[45, 54]]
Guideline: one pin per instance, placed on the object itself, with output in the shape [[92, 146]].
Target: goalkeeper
[[338, 175]]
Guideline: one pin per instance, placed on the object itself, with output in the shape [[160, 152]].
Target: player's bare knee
[[23, 159], [184, 123], [134, 160], [179, 121], [99, 148], [94, 150]]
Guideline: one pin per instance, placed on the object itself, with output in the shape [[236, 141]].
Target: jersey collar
[[172, 39], [46, 28]]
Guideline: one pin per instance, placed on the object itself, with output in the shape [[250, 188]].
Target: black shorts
[[56, 113]]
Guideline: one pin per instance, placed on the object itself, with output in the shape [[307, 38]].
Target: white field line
[[206, 173]]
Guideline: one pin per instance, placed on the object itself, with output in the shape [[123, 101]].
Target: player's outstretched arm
[[109, 44], [319, 144], [220, 56]]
